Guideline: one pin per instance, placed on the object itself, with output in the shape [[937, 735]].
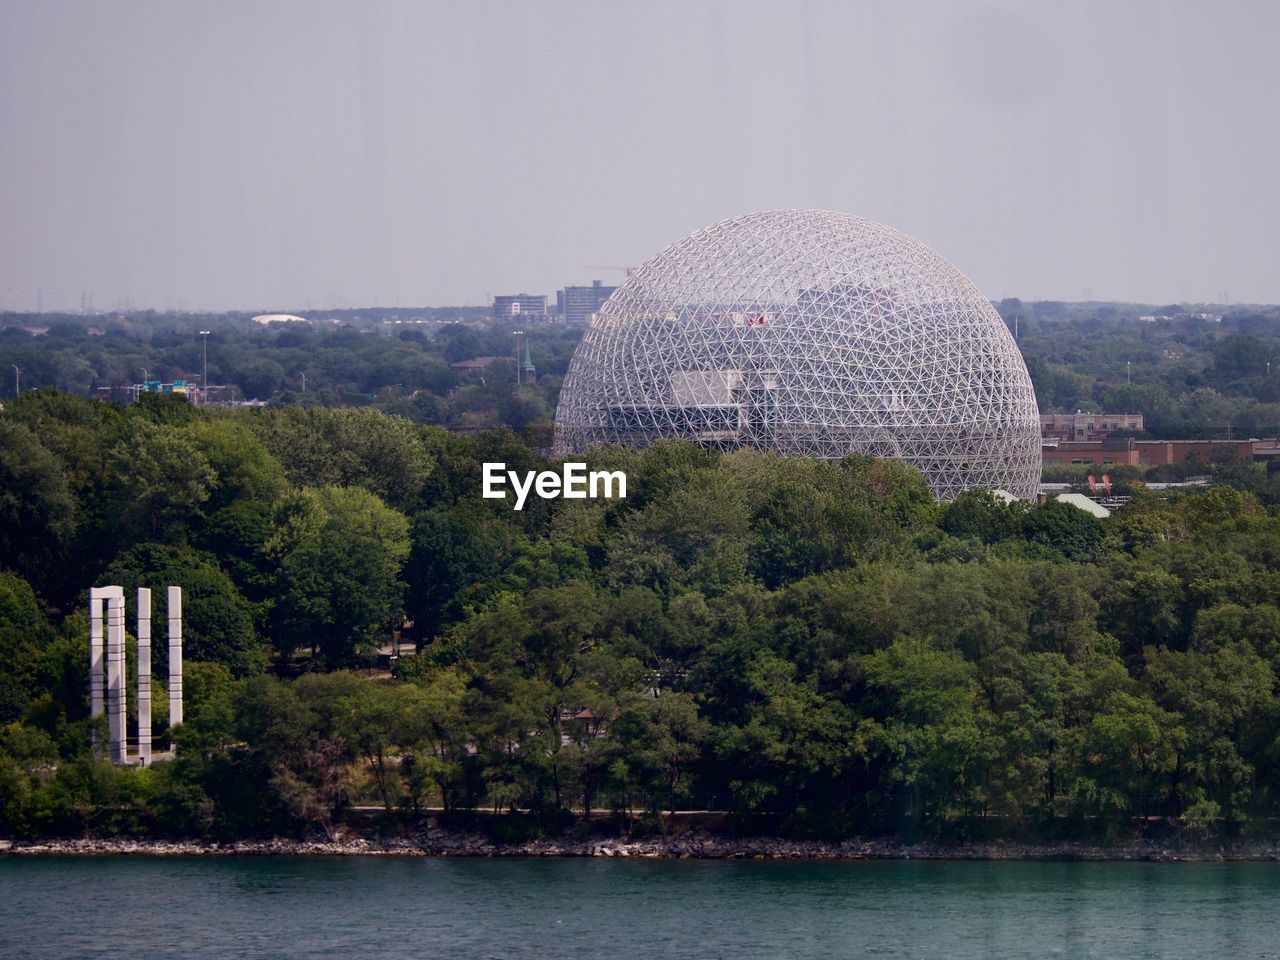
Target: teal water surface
[[376, 908]]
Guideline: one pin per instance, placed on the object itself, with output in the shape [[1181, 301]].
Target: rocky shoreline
[[438, 842]]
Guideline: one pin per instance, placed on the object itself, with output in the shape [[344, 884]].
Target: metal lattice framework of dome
[[808, 333]]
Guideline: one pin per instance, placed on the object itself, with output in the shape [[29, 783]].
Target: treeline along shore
[[819, 650]]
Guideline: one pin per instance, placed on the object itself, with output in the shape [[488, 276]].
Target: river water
[[376, 908]]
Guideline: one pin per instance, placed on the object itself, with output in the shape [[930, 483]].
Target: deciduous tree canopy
[[816, 648]]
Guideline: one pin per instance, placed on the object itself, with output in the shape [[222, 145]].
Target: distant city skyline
[[243, 156]]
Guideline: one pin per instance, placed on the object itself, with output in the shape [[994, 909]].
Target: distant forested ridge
[[817, 648]]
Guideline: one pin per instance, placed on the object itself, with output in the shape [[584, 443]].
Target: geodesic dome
[[808, 333]]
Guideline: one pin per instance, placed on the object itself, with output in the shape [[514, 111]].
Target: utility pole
[[204, 377]]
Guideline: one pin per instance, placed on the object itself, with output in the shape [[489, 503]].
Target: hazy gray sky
[[276, 155]]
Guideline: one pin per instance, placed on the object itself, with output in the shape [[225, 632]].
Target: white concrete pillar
[[144, 676], [96, 596], [174, 609], [117, 694]]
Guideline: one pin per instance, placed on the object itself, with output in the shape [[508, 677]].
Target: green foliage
[[37, 509], [162, 480], [24, 634], [1064, 527], [340, 551], [982, 515], [817, 648], [1189, 378], [319, 447], [217, 621], [243, 470]]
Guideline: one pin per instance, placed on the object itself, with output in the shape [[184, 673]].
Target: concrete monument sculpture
[[107, 669]]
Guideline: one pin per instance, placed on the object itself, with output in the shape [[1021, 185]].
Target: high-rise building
[[520, 306], [577, 304]]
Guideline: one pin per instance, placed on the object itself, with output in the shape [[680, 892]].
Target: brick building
[[1150, 453], [1087, 426]]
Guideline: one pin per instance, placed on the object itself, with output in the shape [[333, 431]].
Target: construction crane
[[595, 266]]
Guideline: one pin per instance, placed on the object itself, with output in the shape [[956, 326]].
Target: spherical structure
[[810, 333]]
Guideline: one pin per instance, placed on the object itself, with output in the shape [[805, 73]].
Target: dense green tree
[[1240, 356], [984, 516], [1219, 696], [1128, 752], [451, 552], [923, 724], [240, 534], [24, 635], [28, 759], [162, 480], [819, 648], [433, 727], [218, 623], [37, 510], [261, 378], [361, 447], [662, 737], [340, 552], [1064, 527], [242, 467]]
